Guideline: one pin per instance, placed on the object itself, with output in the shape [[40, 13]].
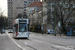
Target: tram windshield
[[22, 27]]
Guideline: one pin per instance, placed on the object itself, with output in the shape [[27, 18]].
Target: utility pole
[[55, 18], [42, 18]]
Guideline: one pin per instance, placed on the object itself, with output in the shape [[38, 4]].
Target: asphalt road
[[6, 43], [46, 42], [49, 42]]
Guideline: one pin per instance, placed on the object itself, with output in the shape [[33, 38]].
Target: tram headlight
[[25, 33], [19, 33]]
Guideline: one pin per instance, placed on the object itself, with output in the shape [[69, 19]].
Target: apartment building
[[16, 7]]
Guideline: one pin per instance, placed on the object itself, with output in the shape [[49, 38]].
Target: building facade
[[16, 7], [33, 12]]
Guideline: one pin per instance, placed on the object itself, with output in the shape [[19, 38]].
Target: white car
[[10, 31], [50, 31]]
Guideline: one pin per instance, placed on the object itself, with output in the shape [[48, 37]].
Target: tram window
[[16, 27], [22, 27], [28, 27]]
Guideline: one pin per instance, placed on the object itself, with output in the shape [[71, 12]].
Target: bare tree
[[63, 10], [66, 7]]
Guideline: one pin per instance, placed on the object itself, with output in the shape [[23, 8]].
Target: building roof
[[35, 3]]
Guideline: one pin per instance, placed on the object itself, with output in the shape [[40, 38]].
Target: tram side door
[[15, 29]]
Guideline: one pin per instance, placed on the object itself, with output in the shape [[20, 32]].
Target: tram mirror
[[14, 25]]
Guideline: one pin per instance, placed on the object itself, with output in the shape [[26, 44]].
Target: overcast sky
[[3, 6]]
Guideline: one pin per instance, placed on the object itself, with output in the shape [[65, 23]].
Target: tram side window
[[28, 27], [16, 27]]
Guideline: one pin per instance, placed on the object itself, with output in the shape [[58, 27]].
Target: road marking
[[15, 42], [25, 43], [68, 47], [29, 46], [58, 46]]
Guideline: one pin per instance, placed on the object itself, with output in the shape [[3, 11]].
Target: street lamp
[[32, 17], [42, 18], [37, 16]]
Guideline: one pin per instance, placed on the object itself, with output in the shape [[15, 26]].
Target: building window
[[10, 20], [10, 16], [10, 23], [24, 12], [11, 2], [9, 5], [36, 0], [11, 13], [24, 9], [8, 13], [8, 2], [25, 2], [29, 2], [73, 5], [9, 8], [44, 0]]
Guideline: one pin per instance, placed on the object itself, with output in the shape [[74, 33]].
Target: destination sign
[[23, 21]]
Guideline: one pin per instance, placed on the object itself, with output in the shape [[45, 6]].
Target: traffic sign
[[42, 27], [38, 26], [59, 24]]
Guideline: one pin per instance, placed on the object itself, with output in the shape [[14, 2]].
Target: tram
[[21, 28]]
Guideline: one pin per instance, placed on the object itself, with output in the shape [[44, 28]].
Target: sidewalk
[[57, 35]]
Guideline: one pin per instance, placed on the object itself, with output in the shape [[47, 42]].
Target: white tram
[[21, 28]]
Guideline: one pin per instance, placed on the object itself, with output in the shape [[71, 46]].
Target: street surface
[[6, 43], [46, 42]]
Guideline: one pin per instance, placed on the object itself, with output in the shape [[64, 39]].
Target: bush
[[35, 28], [32, 30]]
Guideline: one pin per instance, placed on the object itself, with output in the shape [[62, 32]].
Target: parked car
[[10, 31], [2, 31], [50, 31]]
